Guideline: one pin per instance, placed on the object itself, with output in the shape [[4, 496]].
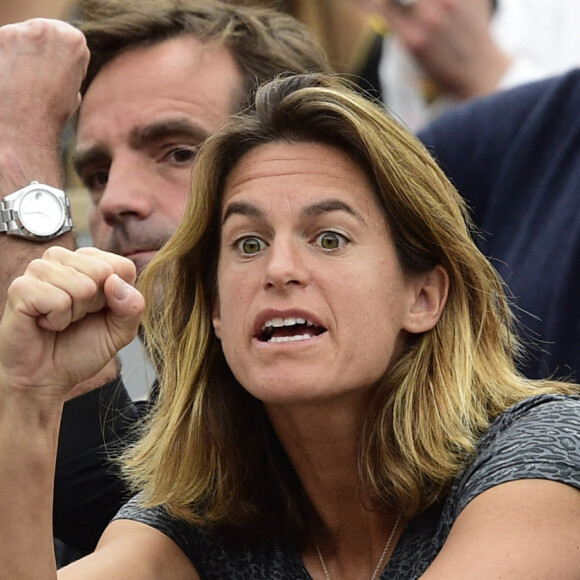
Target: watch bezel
[[23, 219]]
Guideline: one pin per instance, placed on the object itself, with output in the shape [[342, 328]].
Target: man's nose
[[128, 193]]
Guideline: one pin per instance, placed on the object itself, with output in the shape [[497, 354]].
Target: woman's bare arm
[[526, 529]]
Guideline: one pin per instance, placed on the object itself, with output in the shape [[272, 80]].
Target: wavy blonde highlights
[[209, 452]]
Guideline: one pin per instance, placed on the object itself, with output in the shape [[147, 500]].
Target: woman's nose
[[285, 265]]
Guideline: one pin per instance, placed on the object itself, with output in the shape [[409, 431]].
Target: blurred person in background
[[436, 53]]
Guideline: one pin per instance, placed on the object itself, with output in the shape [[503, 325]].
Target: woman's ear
[[428, 300], [216, 316]]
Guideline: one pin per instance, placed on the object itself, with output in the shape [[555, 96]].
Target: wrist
[[21, 165], [34, 410]]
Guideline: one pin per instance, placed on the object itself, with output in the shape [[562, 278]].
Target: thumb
[[126, 305]]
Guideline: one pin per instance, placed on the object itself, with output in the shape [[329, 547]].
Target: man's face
[[140, 125]]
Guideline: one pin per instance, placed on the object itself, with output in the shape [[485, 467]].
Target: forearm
[[28, 440], [42, 64]]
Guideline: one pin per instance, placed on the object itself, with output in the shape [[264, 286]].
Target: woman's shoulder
[[537, 438], [528, 417]]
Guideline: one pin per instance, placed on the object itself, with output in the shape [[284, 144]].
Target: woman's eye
[[250, 245], [330, 241]]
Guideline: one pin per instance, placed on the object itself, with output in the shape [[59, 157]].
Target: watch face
[[41, 212]]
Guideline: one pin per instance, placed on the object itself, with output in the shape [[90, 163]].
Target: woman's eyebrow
[[242, 208], [330, 205]]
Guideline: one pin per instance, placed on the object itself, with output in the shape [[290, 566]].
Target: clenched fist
[[65, 318]]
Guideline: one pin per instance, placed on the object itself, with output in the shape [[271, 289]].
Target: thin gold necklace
[[381, 559]]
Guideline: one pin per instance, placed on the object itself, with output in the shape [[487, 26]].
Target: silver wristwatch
[[36, 212]]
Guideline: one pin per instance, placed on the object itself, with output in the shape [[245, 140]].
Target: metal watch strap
[[6, 215]]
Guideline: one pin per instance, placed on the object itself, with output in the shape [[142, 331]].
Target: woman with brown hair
[[338, 396]]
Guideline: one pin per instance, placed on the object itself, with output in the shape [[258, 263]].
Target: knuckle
[[8, 35], [38, 27], [62, 302], [36, 267], [18, 287], [56, 253], [86, 289], [88, 251]]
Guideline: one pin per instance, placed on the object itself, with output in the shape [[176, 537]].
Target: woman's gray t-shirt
[[538, 438]]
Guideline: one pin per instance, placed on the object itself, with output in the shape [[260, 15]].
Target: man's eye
[[250, 245], [183, 155], [330, 241], [95, 181]]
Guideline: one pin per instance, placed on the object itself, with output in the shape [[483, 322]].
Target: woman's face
[[312, 302]]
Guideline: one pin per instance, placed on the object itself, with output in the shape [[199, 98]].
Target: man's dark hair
[[263, 42]]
